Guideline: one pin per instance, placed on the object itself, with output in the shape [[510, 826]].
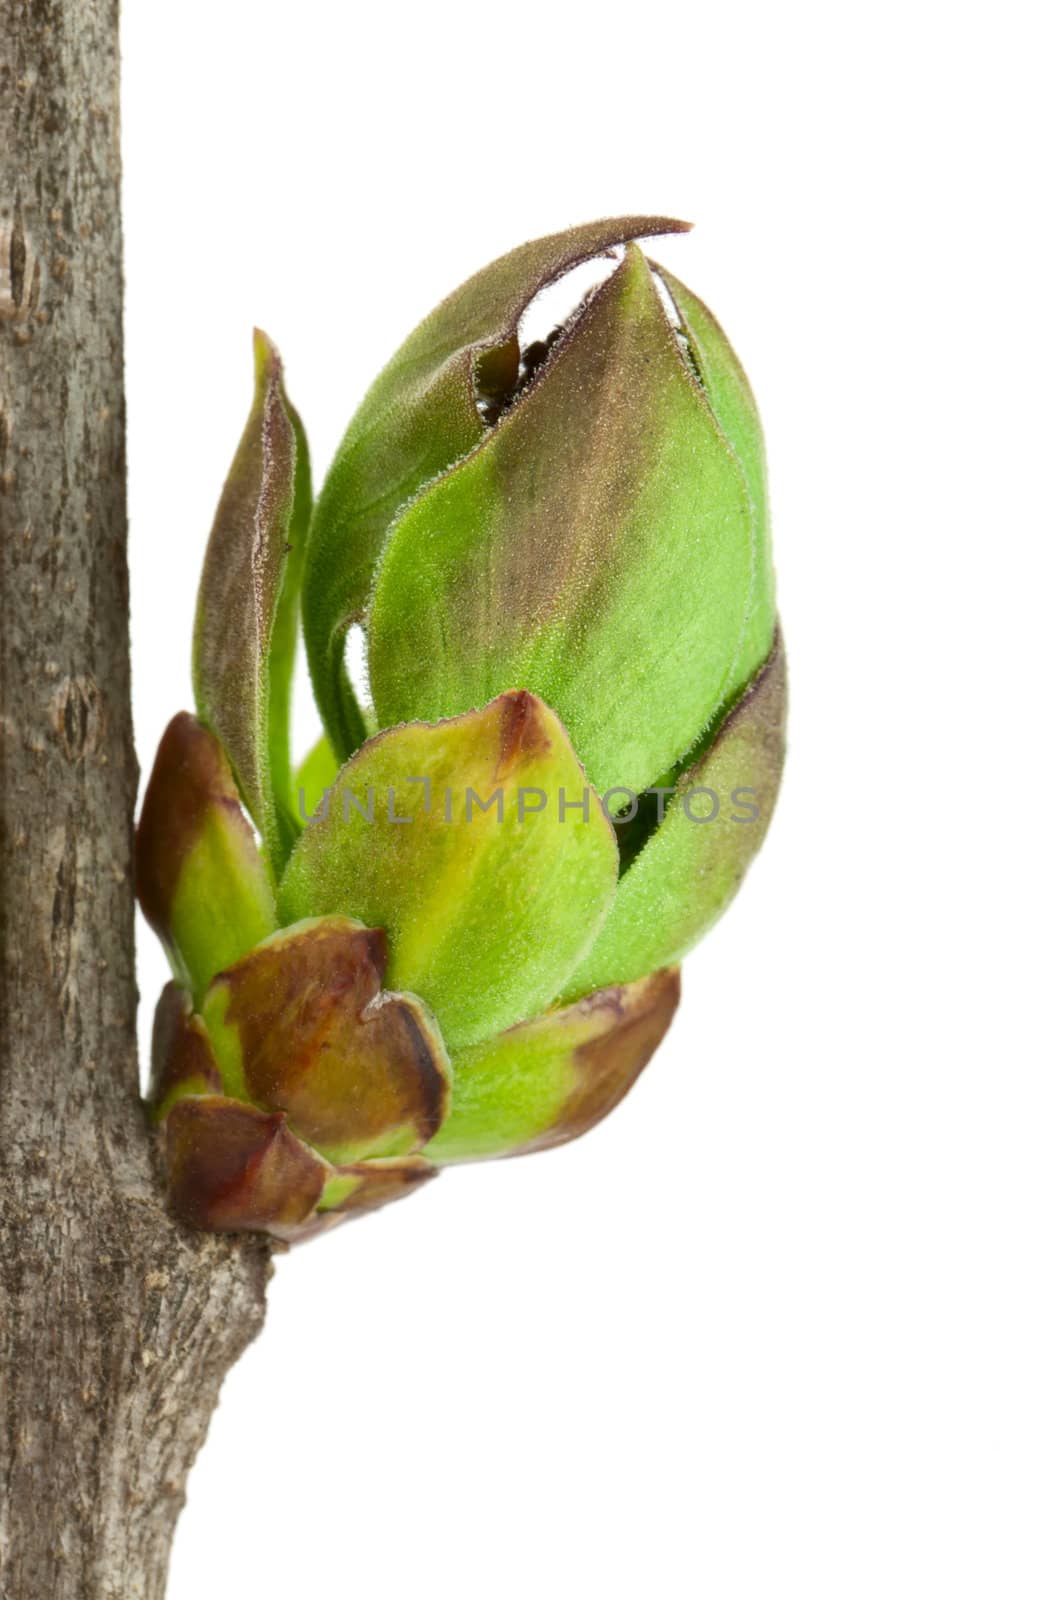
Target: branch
[[116, 1326]]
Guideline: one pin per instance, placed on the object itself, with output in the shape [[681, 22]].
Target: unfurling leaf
[[421, 415], [247, 607], [597, 548]]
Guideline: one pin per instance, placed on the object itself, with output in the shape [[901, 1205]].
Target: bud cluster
[[560, 561]]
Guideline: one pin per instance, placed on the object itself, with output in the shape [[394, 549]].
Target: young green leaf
[[247, 605], [727, 388], [691, 868], [421, 414], [597, 548]]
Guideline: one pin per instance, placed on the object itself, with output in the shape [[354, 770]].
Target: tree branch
[[116, 1327]]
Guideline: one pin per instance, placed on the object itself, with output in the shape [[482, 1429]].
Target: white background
[[781, 1326]]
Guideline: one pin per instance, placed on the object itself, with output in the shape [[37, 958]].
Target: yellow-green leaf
[[468, 841]]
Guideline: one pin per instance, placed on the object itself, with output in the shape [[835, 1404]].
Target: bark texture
[[116, 1326]]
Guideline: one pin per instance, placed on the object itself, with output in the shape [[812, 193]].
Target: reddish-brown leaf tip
[[523, 734], [181, 1060], [353, 1066], [608, 1065], [190, 775], [376, 1184], [233, 1168]]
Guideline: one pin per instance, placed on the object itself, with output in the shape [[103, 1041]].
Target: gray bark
[[116, 1326]]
